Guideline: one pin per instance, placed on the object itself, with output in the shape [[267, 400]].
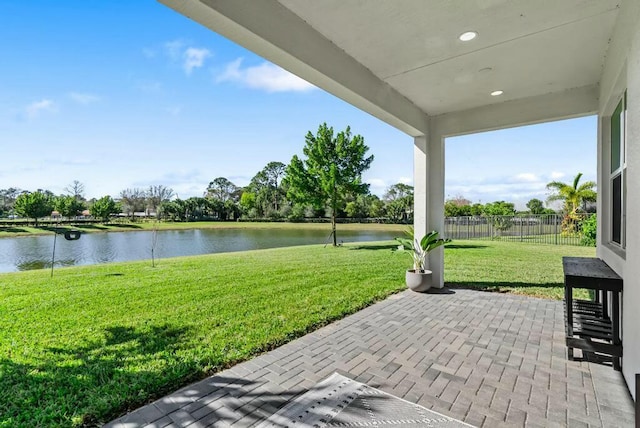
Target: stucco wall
[[631, 318], [622, 71]]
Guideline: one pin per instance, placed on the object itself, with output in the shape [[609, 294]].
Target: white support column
[[428, 178], [420, 185], [435, 218]]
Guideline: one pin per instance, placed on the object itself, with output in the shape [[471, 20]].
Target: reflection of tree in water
[[71, 378], [43, 264]]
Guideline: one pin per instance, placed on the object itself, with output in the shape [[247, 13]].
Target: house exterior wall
[[622, 72]]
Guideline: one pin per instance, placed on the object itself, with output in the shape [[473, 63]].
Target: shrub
[[589, 228]]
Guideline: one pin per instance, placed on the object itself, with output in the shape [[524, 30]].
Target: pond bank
[[16, 231]]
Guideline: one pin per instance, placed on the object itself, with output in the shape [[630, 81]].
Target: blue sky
[[125, 94]]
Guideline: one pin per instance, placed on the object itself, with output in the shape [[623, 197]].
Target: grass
[[14, 231], [95, 341], [513, 267]]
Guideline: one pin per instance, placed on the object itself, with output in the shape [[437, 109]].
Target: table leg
[[568, 298], [615, 325]]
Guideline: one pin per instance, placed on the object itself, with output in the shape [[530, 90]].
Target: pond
[[35, 252]]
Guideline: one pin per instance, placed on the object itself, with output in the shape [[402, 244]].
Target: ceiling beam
[[525, 111]]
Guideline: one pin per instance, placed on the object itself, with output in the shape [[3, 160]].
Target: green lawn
[[520, 268], [96, 341]]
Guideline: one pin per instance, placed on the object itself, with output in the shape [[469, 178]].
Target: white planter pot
[[418, 281]]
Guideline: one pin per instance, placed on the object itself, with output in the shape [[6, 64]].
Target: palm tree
[[572, 195]]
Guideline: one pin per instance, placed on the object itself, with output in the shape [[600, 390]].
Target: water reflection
[[33, 264], [34, 252]]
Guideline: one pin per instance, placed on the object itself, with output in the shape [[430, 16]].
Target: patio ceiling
[[401, 60]]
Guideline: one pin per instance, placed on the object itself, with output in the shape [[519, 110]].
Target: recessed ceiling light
[[469, 35], [496, 93]]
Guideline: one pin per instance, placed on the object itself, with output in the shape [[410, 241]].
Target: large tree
[[399, 199], [133, 200], [8, 198], [158, 194], [75, 189], [68, 205], [459, 206], [268, 182], [536, 206], [499, 208], [34, 205], [274, 172], [398, 191], [572, 195], [104, 207], [365, 206], [500, 214], [222, 190], [267, 190], [331, 171]]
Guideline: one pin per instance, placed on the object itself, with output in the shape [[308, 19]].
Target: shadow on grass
[[56, 229], [124, 226], [500, 287], [95, 380], [91, 226], [386, 247], [395, 247], [465, 246], [12, 229]]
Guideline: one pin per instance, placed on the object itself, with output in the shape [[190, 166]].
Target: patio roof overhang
[[403, 62]]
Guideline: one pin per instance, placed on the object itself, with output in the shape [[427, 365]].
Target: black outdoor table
[[588, 324]]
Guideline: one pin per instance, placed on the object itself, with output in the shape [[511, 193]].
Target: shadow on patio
[[487, 359]]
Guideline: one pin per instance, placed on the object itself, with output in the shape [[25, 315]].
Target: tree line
[[576, 198], [326, 181]]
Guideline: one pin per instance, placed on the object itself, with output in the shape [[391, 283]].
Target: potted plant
[[419, 278]]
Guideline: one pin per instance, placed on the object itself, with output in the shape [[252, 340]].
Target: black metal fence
[[541, 229]]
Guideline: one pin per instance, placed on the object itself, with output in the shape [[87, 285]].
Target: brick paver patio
[[488, 359]]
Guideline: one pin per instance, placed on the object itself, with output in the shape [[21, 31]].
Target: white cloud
[[34, 109], [555, 175], [178, 51], [83, 98], [184, 183], [377, 182], [527, 177], [266, 76], [173, 49], [377, 186], [518, 189], [194, 58]]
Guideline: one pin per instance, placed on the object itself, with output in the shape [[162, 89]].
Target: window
[[617, 177]]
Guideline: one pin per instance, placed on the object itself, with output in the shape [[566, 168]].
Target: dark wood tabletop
[[589, 272]]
